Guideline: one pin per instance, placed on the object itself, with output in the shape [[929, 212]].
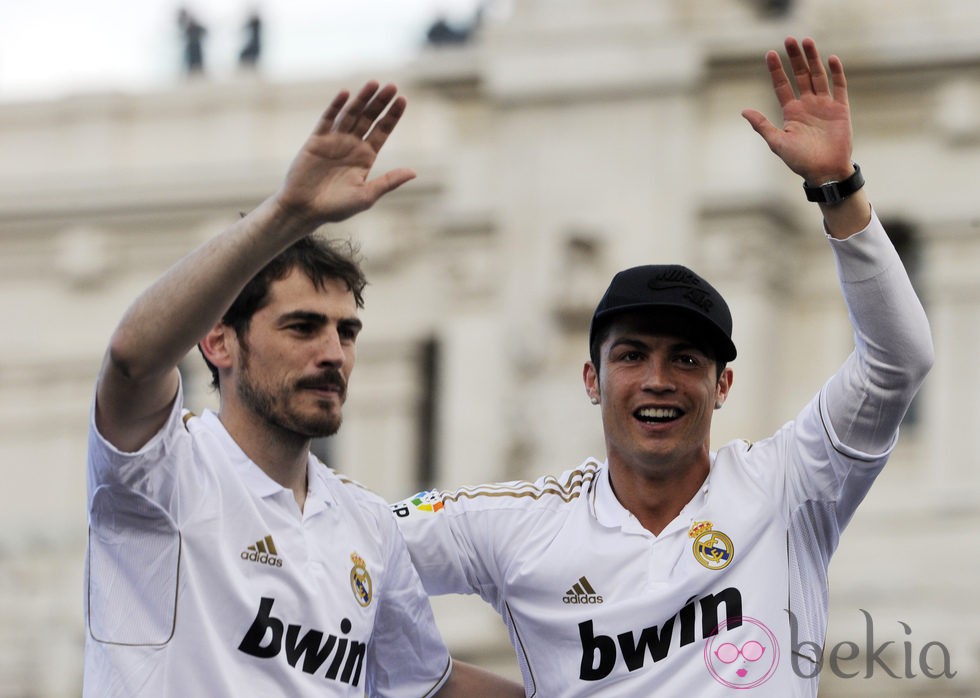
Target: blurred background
[[556, 142]]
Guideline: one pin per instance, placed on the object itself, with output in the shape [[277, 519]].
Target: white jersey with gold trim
[[596, 605], [732, 594], [204, 579]]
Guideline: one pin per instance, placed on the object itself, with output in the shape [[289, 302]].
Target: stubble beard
[[274, 408]]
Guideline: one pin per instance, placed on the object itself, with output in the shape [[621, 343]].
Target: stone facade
[[566, 141]]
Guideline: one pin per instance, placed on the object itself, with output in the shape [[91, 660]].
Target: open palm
[[328, 179], [816, 138]]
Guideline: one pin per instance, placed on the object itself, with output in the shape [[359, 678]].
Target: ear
[[591, 379], [219, 346], [723, 387]]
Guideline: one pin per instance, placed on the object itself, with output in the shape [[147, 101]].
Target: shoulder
[[351, 494], [348, 485], [549, 492]]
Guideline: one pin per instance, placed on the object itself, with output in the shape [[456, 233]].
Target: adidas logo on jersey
[[264, 552], [581, 593]]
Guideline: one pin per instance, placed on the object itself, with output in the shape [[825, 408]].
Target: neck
[[281, 454], [656, 500]]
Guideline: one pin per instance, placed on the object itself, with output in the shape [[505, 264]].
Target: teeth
[[659, 413]]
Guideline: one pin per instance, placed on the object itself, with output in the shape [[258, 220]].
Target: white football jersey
[[205, 579], [731, 595]]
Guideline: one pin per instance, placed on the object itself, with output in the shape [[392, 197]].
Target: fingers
[[780, 81], [371, 116], [800, 66], [761, 125], [389, 181], [366, 107], [384, 126], [818, 76], [837, 76], [327, 119], [346, 122], [808, 69]]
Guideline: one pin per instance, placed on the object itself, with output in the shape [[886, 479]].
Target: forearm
[[867, 399], [468, 681], [328, 181], [848, 217], [172, 315], [138, 380]]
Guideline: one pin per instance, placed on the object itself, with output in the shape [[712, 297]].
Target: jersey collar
[[606, 508], [609, 512], [260, 484]]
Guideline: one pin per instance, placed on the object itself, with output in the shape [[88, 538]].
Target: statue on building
[[249, 56], [193, 33], [441, 32]]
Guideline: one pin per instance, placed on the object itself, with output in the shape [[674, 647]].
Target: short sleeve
[[447, 543], [406, 655], [150, 471], [134, 542]]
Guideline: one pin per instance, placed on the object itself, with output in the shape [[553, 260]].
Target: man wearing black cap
[[671, 569]]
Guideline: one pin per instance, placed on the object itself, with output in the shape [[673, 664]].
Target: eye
[[689, 360], [302, 328], [348, 333]]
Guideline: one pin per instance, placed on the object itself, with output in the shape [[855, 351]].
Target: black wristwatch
[[835, 192]]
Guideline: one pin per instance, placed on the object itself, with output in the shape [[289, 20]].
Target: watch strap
[[836, 191]]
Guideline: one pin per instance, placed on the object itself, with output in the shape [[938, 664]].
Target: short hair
[[320, 258]]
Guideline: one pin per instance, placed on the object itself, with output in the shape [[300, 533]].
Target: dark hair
[[317, 257]]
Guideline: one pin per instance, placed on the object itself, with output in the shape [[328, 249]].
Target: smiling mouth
[[658, 415]]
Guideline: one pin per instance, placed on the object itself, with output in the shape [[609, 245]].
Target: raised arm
[[327, 181], [867, 398]]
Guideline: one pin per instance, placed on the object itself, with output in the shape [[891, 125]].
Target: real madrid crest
[[712, 548], [360, 580]]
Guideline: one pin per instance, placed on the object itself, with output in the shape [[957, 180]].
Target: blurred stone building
[[558, 144]]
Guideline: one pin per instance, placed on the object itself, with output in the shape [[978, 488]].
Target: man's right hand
[[328, 179]]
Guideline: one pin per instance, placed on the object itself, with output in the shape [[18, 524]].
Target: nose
[[658, 377], [331, 350]]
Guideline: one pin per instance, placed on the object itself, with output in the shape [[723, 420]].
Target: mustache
[[328, 378]]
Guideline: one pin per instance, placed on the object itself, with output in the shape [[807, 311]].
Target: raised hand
[[816, 138], [328, 179]]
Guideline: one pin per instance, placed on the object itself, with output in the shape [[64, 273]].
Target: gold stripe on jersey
[[568, 490], [349, 481], [522, 658]]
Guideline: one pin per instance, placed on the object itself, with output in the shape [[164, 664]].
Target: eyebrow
[[319, 319], [304, 316], [679, 344], [628, 341]]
